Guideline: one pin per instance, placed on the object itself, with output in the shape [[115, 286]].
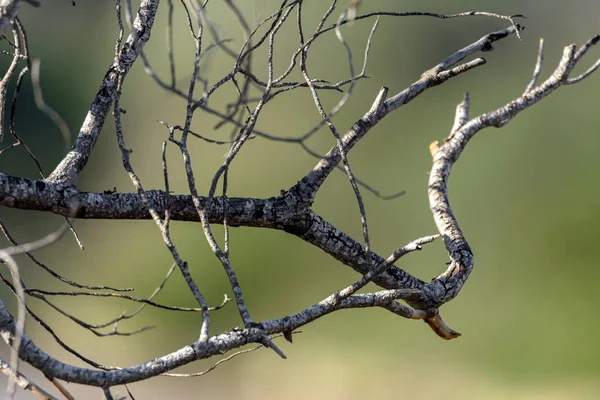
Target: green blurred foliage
[[526, 197]]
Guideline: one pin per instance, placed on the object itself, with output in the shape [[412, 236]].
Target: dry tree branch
[[148, 205], [536, 71], [327, 118], [58, 121], [68, 169], [289, 211], [446, 286], [44, 107], [18, 288], [8, 76], [355, 260], [26, 249], [214, 345], [430, 78], [241, 139], [24, 382], [8, 260]]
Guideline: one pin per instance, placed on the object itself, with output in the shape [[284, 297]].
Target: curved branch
[[213, 345], [446, 286]]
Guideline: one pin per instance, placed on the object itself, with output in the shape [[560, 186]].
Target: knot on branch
[[292, 209]]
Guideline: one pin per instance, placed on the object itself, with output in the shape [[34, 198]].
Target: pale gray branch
[[76, 159], [214, 345], [8, 260], [538, 68], [311, 183], [446, 286], [24, 382]]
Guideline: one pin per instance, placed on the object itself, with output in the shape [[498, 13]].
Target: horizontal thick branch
[[42, 195], [285, 212]]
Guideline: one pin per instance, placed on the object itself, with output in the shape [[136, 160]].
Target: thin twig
[[47, 241], [15, 343], [538, 68], [155, 216], [24, 382], [326, 117]]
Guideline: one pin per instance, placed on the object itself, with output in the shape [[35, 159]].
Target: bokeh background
[[526, 197]]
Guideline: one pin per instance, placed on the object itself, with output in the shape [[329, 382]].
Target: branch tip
[[267, 342], [433, 148], [379, 104], [437, 324]]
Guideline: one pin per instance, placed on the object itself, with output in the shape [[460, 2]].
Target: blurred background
[[526, 197]]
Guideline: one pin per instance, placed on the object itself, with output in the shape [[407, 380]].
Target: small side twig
[[538, 68], [24, 382]]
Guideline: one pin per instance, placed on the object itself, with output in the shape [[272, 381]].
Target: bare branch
[[9, 72], [538, 68], [254, 89], [164, 228], [76, 159], [198, 350], [584, 48], [24, 382], [44, 107], [432, 77], [46, 241], [446, 286], [327, 118], [19, 329], [61, 388]]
